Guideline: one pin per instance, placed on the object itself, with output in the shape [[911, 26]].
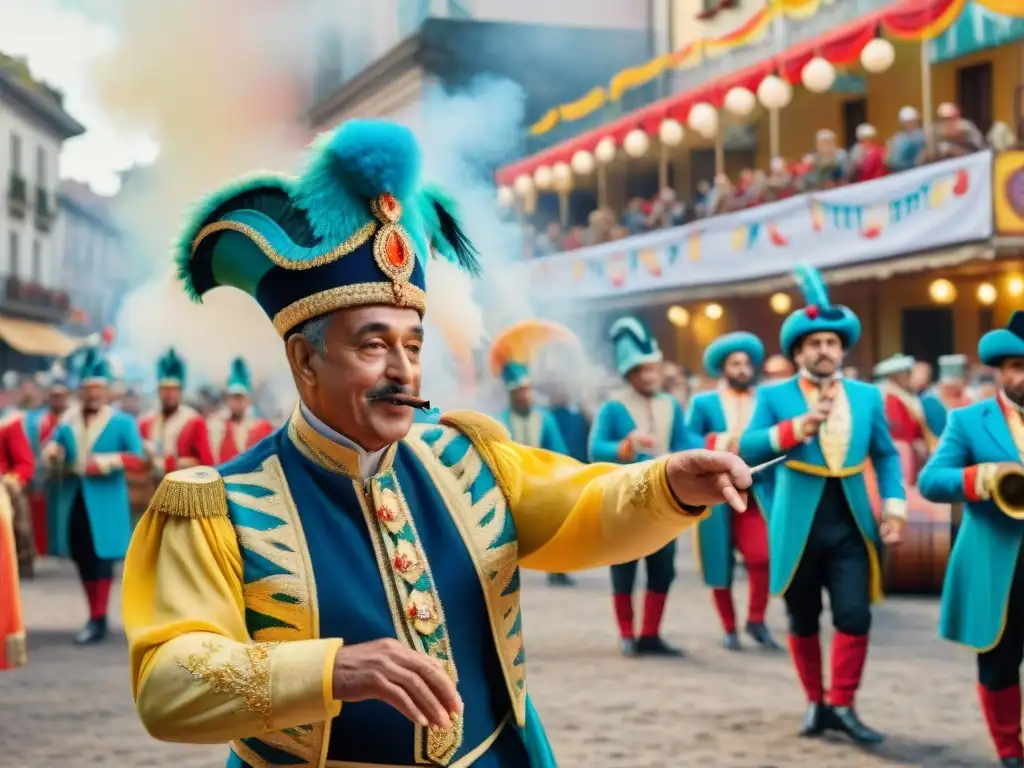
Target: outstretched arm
[[197, 677]]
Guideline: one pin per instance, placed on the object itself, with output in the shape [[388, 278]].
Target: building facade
[[33, 126], [93, 256]]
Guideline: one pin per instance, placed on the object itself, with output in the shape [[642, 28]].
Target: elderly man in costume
[[40, 426], [821, 530], [720, 417], [948, 394], [88, 455], [175, 434], [983, 597], [904, 411], [347, 593], [238, 430], [640, 424]]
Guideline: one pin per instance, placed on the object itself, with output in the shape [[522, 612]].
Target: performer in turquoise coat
[[640, 423], [347, 592], [89, 511], [983, 596], [720, 417], [512, 352], [821, 530]]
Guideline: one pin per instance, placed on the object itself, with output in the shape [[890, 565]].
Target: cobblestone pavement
[[72, 707]]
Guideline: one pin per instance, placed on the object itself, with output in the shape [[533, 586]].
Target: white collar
[[369, 461]]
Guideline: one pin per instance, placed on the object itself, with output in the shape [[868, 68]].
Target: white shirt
[[369, 461]]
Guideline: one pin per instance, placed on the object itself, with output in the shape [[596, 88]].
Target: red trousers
[[37, 503], [750, 539]]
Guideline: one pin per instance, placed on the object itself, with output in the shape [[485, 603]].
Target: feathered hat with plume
[[170, 369], [239, 379], [355, 229], [818, 315], [93, 367], [514, 349], [633, 344]]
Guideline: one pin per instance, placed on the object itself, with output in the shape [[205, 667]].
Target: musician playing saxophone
[[983, 596]]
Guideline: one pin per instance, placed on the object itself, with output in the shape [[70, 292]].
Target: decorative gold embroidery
[[640, 492], [392, 248], [16, 650], [343, 248], [443, 743], [248, 680], [356, 295]]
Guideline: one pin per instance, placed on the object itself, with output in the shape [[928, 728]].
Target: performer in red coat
[[17, 466], [238, 431], [904, 410], [174, 436]]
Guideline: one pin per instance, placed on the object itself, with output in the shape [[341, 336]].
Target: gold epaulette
[[196, 492], [486, 434]]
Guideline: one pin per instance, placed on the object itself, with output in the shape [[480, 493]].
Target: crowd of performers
[[230, 637]]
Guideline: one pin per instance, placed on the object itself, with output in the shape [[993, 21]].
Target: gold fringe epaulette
[[486, 435], [197, 492]]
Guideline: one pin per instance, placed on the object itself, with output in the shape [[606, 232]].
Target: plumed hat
[[718, 351], [170, 370], [355, 229], [239, 379], [633, 343], [995, 346], [819, 314], [94, 368], [514, 349]]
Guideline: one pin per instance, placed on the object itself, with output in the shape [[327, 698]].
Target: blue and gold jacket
[[242, 583]]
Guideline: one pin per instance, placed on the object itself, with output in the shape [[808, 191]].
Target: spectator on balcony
[[573, 239], [634, 218], [828, 162], [667, 210], [549, 241], [781, 183], [867, 156], [700, 200], [907, 145], [720, 198], [953, 135], [749, 190], [600, 225]]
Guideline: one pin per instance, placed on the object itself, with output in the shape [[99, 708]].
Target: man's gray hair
[[314, 331]]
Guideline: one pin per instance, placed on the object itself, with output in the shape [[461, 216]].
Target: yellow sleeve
[[197, 677], [571, 516]]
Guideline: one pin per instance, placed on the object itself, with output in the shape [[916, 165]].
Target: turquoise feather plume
[[808, 279]]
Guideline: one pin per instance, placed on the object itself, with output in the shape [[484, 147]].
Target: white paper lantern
[[671, 132], [877, 56], [562, 174], [523, 185], [506, 196], [740, 101], [703, 119], [605, 150], [583, 162], [543, 177], [637, 143], [819, 75], [774, 92]]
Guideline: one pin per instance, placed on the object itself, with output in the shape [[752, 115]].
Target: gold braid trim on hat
[[345, 296], [354, 241]]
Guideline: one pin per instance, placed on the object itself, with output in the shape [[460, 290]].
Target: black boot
[[627, 646], [560, 580], [93, 632], [845, 720], [655, 646], [762, 636], [1011, 762], [731, 642], [815, 720]]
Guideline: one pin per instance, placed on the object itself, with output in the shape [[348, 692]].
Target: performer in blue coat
[[640, 423], [821, 530], [347, 592], [983, 596], [720, 417], [512, 352], [89, 514]]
